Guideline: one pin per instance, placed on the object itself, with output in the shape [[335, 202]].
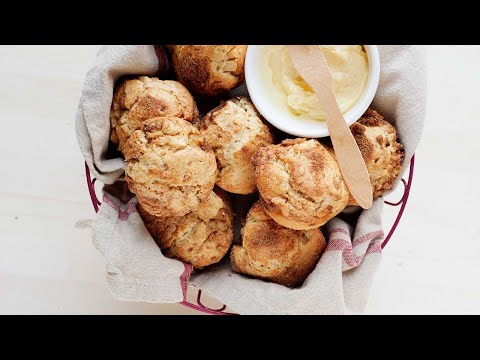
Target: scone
[[209, 69], [383, 154], [137, 100], [235, 130], [168, 168], [200, 238], [275, 253], [300, 183]]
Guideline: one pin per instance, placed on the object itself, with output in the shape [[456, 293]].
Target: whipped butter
[[348, 65]]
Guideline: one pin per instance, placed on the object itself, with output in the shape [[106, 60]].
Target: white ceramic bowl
[[289, 123]]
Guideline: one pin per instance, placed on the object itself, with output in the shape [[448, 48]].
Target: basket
[[199, 306]]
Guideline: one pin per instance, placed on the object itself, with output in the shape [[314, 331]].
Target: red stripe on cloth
[[184, 279], [367, 237], [339, 230], [360, 240], [353, 261], [345, 246], [122, 215], [375, 247]]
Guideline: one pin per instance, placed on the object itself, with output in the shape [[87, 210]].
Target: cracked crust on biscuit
[[209, 69], [137, 100], [234, 131], [168, 166], [275, 253], [201, 238], [381, 150], [300, 183]]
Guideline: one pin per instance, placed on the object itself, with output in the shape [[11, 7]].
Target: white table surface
[[49, 265]]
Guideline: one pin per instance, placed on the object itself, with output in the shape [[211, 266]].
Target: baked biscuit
[[383, 154], [275, 253], [300, 183], [209, 69], [234, 131], [168, 168], [201, 238], [143, 98]]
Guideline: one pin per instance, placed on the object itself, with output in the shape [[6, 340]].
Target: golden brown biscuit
[[300, 183], [383, 154], [200, 238], [275, 253], [143, 98], [168, 168], [209, 69], [235, 130]]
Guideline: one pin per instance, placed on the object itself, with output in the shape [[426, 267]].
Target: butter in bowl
[[286, 101]]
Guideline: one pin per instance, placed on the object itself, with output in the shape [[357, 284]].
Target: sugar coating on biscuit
[[168, 168], [300, 183], [137, 100], [275, 253], [381, 150], [234, 131], [209, 69], [200, 238]]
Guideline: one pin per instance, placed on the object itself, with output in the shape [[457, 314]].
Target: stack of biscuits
[[182, 168]]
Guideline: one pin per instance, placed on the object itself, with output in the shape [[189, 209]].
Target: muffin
[[300, 183], [234, 131], [143, 98], [383, 154], [209, 69], [201, 238], [168, 167], [275, 253]]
